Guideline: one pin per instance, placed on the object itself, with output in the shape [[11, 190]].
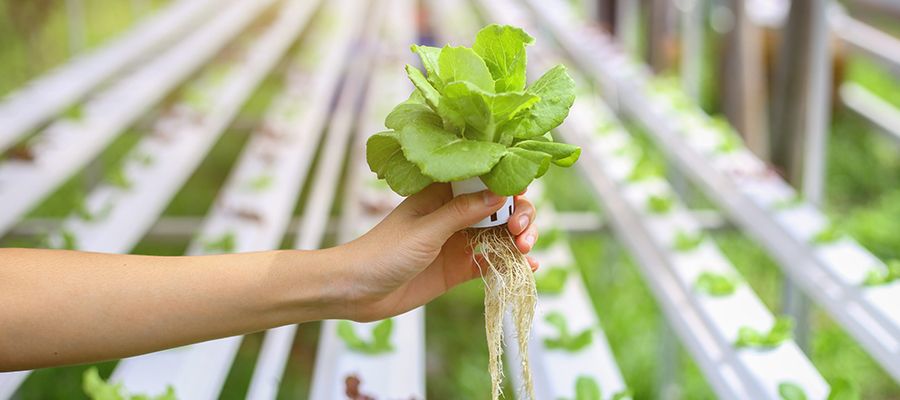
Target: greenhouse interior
[[726, 229]]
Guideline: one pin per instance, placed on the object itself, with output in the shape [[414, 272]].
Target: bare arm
[[62, 307]]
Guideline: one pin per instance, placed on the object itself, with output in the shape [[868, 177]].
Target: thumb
[[460, 212]]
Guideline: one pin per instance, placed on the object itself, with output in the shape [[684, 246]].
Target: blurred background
[[812, 88]]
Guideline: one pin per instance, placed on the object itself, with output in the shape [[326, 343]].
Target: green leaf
[[463, 64], [386, 159], [97, 389], [790, 391], [502, 47], [381, 336], [781, 331], [408, 113], [69, 241], [564, 155], [346, 333], [646, 168], [551, 281], [260, 183], [786, 204], [565, 340], [116, 176], [714, 284], [623, 395], [223, 244], [515, 171], [556, 90], [545, 240], [685, 242], [429, 93], [586, 388], [430, 56], [484, 111], [444, 157]]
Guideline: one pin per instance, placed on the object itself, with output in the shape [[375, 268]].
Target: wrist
[[313, 286]]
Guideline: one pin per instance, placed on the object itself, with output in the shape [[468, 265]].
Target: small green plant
[[74, 112], [729, 142], [68, 241], [98, 389], [878, 277], [222, 244], [80, 209], [565, 339], [546, 240], [551, 281], [586, 388], [260, 183], [646, 168], [660, 203], [790, 391], [685, 241], [116, 176], [841, 389], [781, 331], [143, 159], [832, 233], [714, 284], [381, 337], [622, 395]]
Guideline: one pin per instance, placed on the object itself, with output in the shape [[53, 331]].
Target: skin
[[65, 307]]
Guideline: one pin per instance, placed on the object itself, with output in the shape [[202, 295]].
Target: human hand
[[420, 250]]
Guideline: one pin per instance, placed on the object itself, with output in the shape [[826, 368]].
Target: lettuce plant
[[381, 337], [781, 331], [714, 284], [889, 275], [685, 241], [566, 340], [551, 281], [471, 115]]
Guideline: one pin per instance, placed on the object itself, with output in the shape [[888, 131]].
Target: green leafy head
[[471, 115]]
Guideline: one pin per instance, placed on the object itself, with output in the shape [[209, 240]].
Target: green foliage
[[97, 389], [115, 176], [660, 203], [878, 277], [74, 112], [790, 391], [716, 285], [646, 168], [80, 209], [381, 337], [685, 241], [551, 281], [623, 395], [69, 241], [547, 239], [832, 233], [781, 331], [472, 116], [565, 339], [587, 388], [222, 244]]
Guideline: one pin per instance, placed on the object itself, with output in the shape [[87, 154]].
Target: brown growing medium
[[508, 285]]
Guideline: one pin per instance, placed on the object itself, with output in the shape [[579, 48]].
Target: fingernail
[[490, 198], [523, 221], [529, 240]]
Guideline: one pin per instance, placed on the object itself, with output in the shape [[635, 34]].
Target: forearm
[[62, 307]]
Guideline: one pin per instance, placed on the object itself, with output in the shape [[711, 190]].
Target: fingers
[[459, 213], [522, 217], [533, 263], [526, 240], [428, 200]]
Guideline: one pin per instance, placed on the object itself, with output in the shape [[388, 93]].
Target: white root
[[509, 284]]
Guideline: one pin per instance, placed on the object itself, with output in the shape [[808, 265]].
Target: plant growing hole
[[472, 118], [381, 337], [781, 331], [565, 340]]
